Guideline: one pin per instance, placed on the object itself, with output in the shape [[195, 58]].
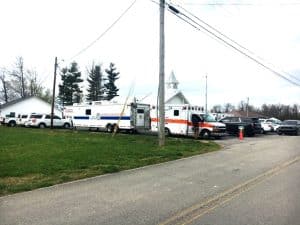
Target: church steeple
[[172, 82]]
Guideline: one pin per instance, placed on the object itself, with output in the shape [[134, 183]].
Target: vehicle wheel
[[279, 133], [67, 126], [205, 134], [109, 128], [167, 132], [42, 125], [12, 124]]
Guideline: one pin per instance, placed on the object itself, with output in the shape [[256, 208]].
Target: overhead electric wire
[[236, 43], [105, 31], [200, 27], [243, 4]]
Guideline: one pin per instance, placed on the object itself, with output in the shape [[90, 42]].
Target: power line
[[243, 4], [105, 31], [200, 27], [236, 43]]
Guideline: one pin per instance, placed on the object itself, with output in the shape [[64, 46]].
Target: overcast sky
[[40, 30]]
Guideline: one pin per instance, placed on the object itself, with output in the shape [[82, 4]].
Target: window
[[235, 119], [56, 117], [88, 112], [12, 114], [176, 112], [195, 118], [225, 120], [36, 116], [47, 117], [140, 110]]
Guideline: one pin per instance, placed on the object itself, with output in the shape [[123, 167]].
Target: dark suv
[[289, 127], [250, 125]]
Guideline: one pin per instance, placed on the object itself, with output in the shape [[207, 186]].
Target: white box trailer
[[178, 121], [109, 116]]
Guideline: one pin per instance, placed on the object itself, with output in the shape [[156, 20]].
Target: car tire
[[205, 134], [167, 132], [67, 126], [12, 124], [42, 125]]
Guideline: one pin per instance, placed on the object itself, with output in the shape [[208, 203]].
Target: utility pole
[[205, 94], [53, 92], [247, 109], [161, 85]]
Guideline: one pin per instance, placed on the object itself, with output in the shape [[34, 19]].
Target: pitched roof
[[172, 79], [169, 96], [15, 101]]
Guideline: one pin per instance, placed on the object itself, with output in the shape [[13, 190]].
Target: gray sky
[[41, 30]]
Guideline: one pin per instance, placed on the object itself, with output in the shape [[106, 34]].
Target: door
[[140, 117]]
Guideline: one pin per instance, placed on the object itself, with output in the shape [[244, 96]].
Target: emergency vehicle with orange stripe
[[180, 120]]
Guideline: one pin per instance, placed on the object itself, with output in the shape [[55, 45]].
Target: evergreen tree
[[69, 90], [110, 87], [95, 86]]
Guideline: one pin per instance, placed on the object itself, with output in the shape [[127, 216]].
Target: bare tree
[[217, 109], [242, 106], [33, 88], [228, 107], [18, 81], [4, 83]]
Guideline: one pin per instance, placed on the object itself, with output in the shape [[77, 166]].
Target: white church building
[[172, 94]]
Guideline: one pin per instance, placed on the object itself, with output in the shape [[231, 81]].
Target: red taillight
[[33, 120]]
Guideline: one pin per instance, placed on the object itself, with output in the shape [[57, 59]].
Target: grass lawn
[[34, 158]]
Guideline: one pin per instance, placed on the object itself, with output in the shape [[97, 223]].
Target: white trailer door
[[140, 117]]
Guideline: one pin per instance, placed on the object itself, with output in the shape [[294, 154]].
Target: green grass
[[34, 158]]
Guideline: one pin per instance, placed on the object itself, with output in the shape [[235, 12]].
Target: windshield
[[208, 118]]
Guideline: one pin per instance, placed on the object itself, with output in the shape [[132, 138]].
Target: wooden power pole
[[53, 92], [161, 85]]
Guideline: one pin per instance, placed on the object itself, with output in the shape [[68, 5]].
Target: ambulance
[[178, 121], [109, 116]]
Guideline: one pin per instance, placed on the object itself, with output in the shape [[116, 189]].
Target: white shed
[[27, 105]]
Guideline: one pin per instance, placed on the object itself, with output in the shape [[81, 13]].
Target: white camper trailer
[[109, 116], [180, 120]]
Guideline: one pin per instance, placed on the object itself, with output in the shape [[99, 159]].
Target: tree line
[[279, 111], [20, 82]]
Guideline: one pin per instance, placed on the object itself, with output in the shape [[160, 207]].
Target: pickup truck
[[251, 127], [10, 121]]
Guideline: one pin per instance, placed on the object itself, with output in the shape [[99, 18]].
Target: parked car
[[251, 127], [275, 123], [289, 127], [10, 120], [256, 125], [22, 119], [266, 126], [44, 120]]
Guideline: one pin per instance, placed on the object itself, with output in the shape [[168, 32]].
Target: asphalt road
[[274, 201], [196, 190]]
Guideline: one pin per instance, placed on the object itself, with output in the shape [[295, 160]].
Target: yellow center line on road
[[196, 211]]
